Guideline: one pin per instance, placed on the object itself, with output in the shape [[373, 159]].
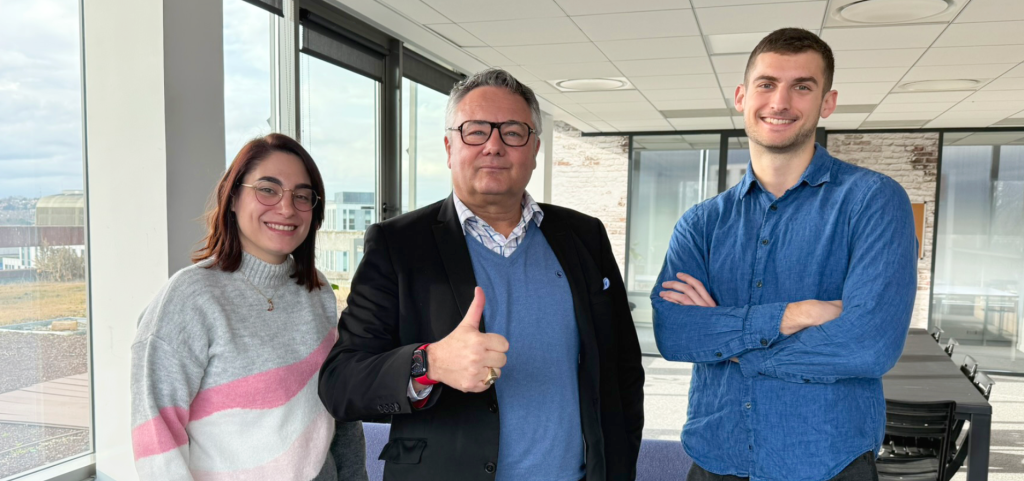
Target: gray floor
[[666, 399]]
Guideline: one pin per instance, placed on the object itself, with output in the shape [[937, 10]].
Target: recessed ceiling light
[[892, 11], [591, 84], [939, 85]]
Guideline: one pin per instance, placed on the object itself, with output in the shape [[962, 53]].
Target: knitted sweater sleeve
[[168, 361]]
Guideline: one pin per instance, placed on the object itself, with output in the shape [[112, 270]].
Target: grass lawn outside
[[40, 301]]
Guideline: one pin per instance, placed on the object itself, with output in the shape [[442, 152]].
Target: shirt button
[[774, 207], [764, 342], [748, 405], [493, 407], [718, 354], [764, 242], [489, 467], [759, 284]]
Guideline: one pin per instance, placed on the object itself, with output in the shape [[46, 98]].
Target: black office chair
[[949, 347], [969, 367], [918, 441], [984, 384], [936, 333]]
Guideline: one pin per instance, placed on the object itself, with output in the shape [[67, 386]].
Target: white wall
[[155, 146]]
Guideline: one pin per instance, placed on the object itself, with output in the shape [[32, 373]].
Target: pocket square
[[606, 284]]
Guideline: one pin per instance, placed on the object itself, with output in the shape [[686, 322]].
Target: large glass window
[[425, 175], [669, 175], [979, 256], [339, 127], [45, 413], [248, 43]]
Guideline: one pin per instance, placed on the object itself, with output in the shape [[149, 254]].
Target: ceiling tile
[[974, 114], [992, 54], [1017, 71], [892, 124], [957, 123], [996, 95], [926, 97], [696, 113], [897, 57], [689, 104], [831, 125], [559, 71], [628, 26], [879, 38], [682, 94], [557, 53], [847, 117], [991, 11], [650, 48], [675, 82], [712, 123], [558, 99], [595, 7], [941, 72], [483, 10], [730, 63], [723, 3], [734, 43], [730, 80], [760, 18], [644, 106], [854, 75], [1006, 84], [862, 88], [605, 97], [644, 115], [586, 116], [1018, 115], [536, 31], [665, 66], [457, 35], [418, 11], [602, 126], [488, 55], [860, 97], [641, 125], [1008, 106], [989, 33], [889, 116], [520, 73], [573, 108], [935, 107], [542, 88]]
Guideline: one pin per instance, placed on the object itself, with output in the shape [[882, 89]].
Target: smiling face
[[782, 99], [491, 173], [272, 232]]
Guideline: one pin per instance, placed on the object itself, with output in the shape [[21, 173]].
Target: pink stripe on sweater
[[265, 390], [295, 463], [161, 434]]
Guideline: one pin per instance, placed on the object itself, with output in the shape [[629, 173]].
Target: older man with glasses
[[493, 328]]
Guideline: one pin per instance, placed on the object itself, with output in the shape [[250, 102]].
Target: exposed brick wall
[[913, 161], [590, 174]]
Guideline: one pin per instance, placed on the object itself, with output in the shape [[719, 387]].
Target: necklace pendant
[[271, 302]]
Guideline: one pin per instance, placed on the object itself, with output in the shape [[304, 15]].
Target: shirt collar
[[818, 171], [531, 211]]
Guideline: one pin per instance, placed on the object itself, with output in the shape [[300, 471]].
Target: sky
[[40, 98]]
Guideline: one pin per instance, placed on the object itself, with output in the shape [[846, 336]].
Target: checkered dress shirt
[[491, 239]]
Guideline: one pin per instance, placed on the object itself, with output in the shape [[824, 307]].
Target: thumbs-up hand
[[461, 360]]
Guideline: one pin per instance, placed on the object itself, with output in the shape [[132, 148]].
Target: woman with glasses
[[226, 360]]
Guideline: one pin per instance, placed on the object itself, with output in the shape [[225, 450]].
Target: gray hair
[[492, 77]]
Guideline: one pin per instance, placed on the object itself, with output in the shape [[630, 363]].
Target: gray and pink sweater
[[223, 389]]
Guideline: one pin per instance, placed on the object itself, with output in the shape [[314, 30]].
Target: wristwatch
[[420, 366]]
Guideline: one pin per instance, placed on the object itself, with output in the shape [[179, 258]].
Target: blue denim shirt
[[798, 407]]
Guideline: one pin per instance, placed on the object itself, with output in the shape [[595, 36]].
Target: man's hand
[[809, 313], [687, 291], [461, 359]]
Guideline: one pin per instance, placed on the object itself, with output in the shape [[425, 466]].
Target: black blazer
[[414, 285]]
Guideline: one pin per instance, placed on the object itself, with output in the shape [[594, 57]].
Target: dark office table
[[925, 373]]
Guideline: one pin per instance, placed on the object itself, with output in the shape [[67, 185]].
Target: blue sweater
[[529, 302]]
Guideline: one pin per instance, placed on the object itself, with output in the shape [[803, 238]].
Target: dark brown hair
[[223, 243], [793, 41]]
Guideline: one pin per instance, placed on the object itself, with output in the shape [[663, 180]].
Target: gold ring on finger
[[492, 376]]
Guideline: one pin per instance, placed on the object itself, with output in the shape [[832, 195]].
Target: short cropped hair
[[492, 77], [793, 41]]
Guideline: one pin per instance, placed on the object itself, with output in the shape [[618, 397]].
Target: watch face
[[419, 363]]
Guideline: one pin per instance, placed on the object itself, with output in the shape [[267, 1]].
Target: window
[[979, 263], [248, 43], [339, 127], [44, 386], [425, 175]]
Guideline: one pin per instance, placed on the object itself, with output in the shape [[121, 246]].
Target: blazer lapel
[[451, 243]]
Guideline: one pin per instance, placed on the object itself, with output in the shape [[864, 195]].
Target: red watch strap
[[424, 380]]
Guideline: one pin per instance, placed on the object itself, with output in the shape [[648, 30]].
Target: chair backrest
[[931, 421], [936, 333], [969, 367], [984, 384], [949, 347]]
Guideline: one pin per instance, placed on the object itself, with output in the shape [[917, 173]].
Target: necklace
[[270, 299]]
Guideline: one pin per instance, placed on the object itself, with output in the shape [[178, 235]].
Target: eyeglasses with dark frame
[[270, 194], [478, 132]]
